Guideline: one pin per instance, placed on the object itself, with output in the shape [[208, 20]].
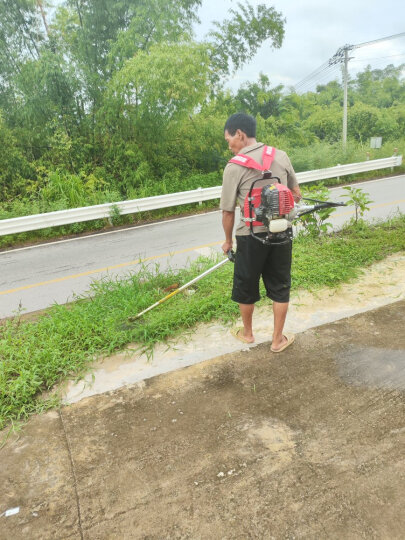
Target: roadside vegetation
[[66, 340], [114, 101], [103, 102]]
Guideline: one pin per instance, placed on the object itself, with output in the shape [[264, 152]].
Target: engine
[[276, 202], [273, 207]]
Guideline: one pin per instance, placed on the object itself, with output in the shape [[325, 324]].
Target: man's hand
[[296, 194], [226, 246]]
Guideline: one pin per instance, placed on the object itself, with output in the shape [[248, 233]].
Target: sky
[[314, 31]]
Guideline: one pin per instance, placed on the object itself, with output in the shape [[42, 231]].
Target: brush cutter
[[273, 206], [231, 257]]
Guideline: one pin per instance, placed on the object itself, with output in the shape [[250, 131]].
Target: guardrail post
[[395, 154], [367, 156], [199, 202], [338, 177]]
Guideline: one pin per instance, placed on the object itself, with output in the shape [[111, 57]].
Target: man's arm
[[228, 220], [292, 181], [296, 193]]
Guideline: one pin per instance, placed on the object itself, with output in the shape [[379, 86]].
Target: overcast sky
[[314, 31]]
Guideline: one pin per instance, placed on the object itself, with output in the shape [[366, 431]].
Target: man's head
[[240, 131]]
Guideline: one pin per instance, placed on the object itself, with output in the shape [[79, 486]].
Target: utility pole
[[342, 57], [345, 76]]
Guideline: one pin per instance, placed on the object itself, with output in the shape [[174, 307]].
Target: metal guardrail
[[350, 168], [101, 211]]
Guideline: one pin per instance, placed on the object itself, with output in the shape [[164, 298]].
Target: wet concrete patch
[[373, 367]]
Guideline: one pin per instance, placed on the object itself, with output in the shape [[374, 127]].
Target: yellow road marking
[[153, 257], [107, 268]]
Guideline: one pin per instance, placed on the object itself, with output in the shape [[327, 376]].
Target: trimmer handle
[[231, 255]]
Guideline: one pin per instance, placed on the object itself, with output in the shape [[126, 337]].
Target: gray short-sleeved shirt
[[237, 181]]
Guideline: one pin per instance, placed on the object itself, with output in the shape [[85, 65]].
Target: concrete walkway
[[305, 444], [379, 285]]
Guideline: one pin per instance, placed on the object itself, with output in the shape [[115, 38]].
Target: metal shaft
[[182, 288]]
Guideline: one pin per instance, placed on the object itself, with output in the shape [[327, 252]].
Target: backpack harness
[[269, 205]]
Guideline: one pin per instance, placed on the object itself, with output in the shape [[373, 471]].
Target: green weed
[[359, 199]]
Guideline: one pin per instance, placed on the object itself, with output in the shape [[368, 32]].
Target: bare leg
[[246, 311], [280, 313]]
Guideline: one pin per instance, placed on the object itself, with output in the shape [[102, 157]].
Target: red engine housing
[[286, 199], [276, 199]]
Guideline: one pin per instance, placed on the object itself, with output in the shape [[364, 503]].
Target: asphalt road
[[36, 277]]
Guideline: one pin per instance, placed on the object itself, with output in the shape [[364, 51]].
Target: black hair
[[242, 121]]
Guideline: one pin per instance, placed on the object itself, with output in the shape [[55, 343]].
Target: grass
[[36, 356]]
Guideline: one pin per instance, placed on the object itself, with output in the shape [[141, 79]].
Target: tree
[[14, 168], [259, 98], [326, 123], [236, 40], [328, 94], [21, 34], [380, 87], [99, 35], [362, 121], [154, 91], [20, 40], [38, 89], [159, 85]]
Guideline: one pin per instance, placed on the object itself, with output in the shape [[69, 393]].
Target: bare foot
[[239, 333], [276, 344], [285, 341]]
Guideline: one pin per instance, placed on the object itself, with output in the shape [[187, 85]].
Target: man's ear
[[240, 133]]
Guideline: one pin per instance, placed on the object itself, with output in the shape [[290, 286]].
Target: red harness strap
[[246, 161], [255, 196]]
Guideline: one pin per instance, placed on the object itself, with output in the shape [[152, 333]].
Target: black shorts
[[254, 260]]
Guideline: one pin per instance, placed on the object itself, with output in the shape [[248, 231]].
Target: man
[[254, 259]]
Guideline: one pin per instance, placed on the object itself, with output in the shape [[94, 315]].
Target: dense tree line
[[376, 108], [107, 99]]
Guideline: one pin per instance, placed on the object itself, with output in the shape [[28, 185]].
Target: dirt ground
[[305, 444]]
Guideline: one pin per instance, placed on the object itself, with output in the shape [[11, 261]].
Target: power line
[[328, 76], [309, 80], [320, 77], [313, 74], [394, 36], [376, 58], [341, 54], [337, 59]]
